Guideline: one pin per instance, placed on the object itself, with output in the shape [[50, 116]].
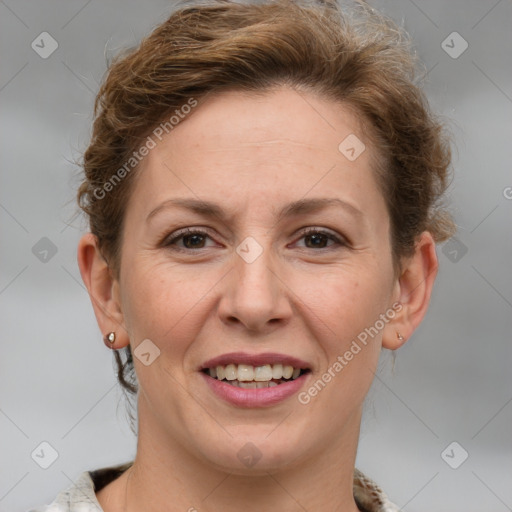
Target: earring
[[399, 336], [109, 339]]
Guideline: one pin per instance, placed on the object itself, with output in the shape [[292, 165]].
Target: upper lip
[[255, 360]]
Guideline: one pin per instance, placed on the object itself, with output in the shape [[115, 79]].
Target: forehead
[[279, 117], [237, 146]]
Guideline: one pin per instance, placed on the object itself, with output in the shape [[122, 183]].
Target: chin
[[254, 450]]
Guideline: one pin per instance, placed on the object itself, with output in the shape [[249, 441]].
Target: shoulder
[[81, 495], [369, 496]]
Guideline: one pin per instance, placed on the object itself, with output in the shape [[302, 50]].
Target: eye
[[192, 239], [318, 237]]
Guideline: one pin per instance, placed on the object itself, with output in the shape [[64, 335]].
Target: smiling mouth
[[255, 377]]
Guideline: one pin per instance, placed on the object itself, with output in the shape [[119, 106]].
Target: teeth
[[253, 384], [239, 375], [230, 372], [263, 373], [287, 372], [220, 373], [245, 372], [248, 385], [277, 371]]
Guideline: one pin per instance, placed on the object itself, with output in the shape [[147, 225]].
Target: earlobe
[[393, 339], [414, 288], [102, 288]]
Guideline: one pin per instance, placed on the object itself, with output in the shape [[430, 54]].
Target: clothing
[[81, 497]]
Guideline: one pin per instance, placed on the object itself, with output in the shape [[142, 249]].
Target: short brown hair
[[352, 55]]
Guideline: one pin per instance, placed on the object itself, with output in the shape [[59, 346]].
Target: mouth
[[255, 377], [255, 380]]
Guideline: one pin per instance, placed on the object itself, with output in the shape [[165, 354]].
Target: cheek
[[347, 312], [345, 300], [348, 309], [163, 302]]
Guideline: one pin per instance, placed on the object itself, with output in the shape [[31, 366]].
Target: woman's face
[[253, 282]]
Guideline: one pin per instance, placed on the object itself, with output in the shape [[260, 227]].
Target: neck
[[164, 473]]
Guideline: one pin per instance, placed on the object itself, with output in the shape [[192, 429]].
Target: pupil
[[188, 237], [317, 237]]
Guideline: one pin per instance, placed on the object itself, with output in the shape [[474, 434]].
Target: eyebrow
[[300, 207]]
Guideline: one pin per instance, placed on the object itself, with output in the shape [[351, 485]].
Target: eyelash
[[168, 242]]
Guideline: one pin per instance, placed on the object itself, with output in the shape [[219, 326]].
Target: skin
[[253, 155]]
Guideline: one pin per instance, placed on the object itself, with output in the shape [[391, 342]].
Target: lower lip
[[262, 397]]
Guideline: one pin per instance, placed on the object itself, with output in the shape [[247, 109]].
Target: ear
[[103, 290], [413, 291]]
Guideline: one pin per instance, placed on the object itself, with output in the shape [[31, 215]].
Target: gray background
[[450, 382]]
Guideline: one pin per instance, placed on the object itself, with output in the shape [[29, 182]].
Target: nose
[[255, 294]]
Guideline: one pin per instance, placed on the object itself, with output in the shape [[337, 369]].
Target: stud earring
[[109, 339], [399, 336]]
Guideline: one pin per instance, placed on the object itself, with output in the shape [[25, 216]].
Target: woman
[[262, 187]]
